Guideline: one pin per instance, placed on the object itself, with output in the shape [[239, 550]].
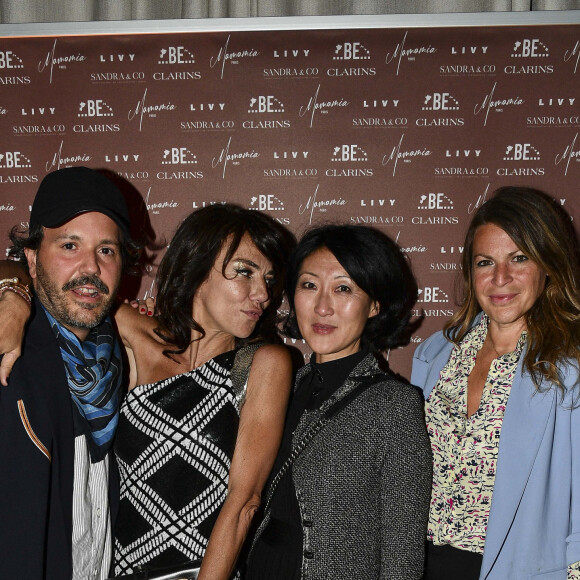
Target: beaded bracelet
[[16, 286]]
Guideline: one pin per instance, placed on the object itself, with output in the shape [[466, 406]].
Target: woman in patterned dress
[[195, 448], [501, 390]]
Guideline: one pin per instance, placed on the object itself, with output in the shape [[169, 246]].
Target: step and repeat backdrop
[[408, 130]]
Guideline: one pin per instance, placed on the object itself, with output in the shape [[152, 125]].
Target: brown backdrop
[[407, 130]]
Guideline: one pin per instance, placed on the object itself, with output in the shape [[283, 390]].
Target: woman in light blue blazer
[[501, 396]]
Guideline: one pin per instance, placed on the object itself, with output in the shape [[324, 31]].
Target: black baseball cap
[[68, 192]]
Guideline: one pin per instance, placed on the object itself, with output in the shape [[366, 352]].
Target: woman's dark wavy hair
[[543, 231], [378, 267], [31, 238], [191, 255]]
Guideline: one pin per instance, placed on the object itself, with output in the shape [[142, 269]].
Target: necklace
[[493, 345]]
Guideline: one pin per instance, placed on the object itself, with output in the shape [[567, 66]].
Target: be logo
[[440, 102], [521, 152], [265, 104], [9, 60], [432, 294], [530, 48], [268, 202], [176, 55], [95, 108], [178, 156], [14, 160], [351, 51], [435, 201], [349, 153]]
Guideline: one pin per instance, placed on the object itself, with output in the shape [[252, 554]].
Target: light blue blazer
[[534, 522]]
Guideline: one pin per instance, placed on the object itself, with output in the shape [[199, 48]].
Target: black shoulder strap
[[358, 390], [315, 428]]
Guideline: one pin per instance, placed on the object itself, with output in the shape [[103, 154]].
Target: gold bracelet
[[16, 286]]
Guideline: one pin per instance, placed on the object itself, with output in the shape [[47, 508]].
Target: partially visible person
[[58, 487], [349, 494], [501, 389], [202, 422]]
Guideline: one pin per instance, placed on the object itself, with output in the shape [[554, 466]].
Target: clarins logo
[[521, 153]]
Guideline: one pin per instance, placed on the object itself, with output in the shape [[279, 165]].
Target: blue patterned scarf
[[93, 369]]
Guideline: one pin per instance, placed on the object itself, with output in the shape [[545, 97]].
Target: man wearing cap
[[58, 488]]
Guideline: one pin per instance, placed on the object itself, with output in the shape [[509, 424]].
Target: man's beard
[[62, 307]]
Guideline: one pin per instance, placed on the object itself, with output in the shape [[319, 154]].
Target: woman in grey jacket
[[349, 492]]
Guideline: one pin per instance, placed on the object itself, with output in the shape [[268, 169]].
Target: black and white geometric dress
[[174, 447]]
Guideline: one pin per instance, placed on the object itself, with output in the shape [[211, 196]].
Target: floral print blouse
[[465, 449]]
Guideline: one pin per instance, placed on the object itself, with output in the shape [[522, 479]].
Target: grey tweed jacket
[[363, 482]]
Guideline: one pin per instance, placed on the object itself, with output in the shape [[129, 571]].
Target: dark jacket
[[37, 461], [364, 482]]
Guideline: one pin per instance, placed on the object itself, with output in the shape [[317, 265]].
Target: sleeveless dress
[[174, 445]]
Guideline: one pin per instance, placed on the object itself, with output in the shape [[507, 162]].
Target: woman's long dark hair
[[191, 255]]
